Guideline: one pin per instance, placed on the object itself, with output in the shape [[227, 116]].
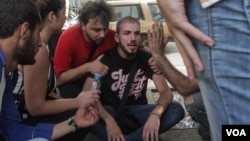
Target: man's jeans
[[225, 83], [71, 89], [173, 114]]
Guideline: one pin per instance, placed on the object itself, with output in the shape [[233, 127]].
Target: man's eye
[[137, 33], [126, 33]]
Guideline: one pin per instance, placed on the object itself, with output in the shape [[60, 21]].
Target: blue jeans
[[172, 115], [225, 83]]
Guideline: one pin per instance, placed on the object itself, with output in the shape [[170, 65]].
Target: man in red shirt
[[80, 45]]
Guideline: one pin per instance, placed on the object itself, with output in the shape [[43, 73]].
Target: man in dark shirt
[[153, 118]]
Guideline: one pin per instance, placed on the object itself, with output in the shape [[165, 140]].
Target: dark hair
[[15, 12], [94, 9], [125, 19], [46, 6]]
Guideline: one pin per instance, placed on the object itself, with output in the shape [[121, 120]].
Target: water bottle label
[[96, 84]]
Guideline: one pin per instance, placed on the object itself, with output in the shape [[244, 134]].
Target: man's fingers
[[99, 57], [165, 40], [187, 60], [187, 45], [197, 34], [147, 49]]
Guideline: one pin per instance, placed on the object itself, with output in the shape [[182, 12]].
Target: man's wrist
[[162, 105], [153, 113], [157, 55], [72, 124]]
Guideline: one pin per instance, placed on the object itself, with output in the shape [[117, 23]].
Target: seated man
[[152, 119]]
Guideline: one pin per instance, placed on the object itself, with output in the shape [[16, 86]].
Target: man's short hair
[[15, 12], [125, 19], [96, 9]]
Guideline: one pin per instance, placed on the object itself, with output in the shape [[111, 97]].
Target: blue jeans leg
[[173, 114], [99, 129], [225, 82]]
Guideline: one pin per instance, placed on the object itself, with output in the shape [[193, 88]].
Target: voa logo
[[236, 132]]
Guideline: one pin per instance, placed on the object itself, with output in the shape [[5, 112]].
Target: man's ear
[[24, 30], [116, 38], [83, 26]]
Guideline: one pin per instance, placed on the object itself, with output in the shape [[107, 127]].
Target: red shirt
[[73, 49]]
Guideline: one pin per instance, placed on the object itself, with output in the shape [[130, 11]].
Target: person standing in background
[[221, 71]]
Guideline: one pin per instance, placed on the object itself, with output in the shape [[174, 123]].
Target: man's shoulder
[[109, 55], [111, 31], [110, 34], [72, 33], [111, 52], [72, 30]]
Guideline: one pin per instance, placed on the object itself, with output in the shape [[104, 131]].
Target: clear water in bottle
[[96, 84]]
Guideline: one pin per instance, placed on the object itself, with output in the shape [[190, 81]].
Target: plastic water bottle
[[96, 83]]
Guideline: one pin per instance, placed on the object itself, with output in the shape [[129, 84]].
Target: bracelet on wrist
[[155, 114], [72, 124]]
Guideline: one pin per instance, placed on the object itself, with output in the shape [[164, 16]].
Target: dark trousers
[[71, 90], [173, 114]]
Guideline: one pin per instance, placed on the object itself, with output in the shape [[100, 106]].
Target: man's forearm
[[72, 75], [60, 130], [179, 81], [103, 112]]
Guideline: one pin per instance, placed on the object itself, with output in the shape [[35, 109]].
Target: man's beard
[[26, 55], [129, 54], [25, 58], [95, 42]]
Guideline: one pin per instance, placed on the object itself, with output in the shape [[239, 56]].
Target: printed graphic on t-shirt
[[120, 81]]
